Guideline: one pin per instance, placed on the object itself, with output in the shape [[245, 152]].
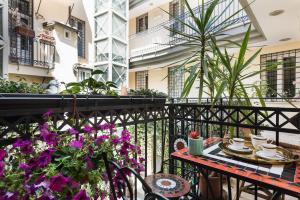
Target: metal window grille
[[176, 9], [141, 80], [80, 26], [142, 23], [282, 74], [175, 81], [21, 46]]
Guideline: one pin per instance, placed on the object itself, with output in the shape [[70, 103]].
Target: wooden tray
[[251, 157]]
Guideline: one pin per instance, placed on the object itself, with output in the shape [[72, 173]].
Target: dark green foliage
[[91, 86], [20, 87], [147, 92]]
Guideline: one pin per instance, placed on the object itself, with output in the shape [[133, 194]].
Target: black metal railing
[[33, 52], [155, 124]]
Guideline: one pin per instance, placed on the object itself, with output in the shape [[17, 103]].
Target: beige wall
[[28, 79], [66, 51], [157, 81]]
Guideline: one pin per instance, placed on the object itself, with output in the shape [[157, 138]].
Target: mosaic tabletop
[[283, 177]]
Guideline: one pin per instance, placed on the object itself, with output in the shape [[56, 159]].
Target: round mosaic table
[[168, 185]]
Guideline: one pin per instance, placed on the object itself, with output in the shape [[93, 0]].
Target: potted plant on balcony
[[66, 165]]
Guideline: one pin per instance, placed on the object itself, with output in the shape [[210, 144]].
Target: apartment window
[[68, 34], [176, 9], [80, 26], [289, 76], [142, 23], [282, 77], [175, 81], [271, 78], [141, 80], [23, 6], [83, 74]]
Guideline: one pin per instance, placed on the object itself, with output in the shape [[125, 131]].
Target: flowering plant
[[66, 165]]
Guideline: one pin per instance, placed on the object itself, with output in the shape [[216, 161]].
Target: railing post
[[171, 134], [221, 126]]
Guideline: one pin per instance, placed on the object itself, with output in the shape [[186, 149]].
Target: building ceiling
[[279, 27]]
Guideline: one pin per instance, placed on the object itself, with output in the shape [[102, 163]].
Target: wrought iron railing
[[155, 125], [157, 38], [34, 53]]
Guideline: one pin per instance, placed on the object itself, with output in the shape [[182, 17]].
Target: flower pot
[[195, 146]]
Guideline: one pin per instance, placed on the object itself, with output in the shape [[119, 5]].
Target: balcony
[[161, 129], [157, 40], [35, 52]]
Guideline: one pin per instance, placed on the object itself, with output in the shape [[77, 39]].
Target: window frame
[[145, 23]]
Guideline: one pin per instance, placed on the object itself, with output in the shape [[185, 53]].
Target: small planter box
[[12, 105]]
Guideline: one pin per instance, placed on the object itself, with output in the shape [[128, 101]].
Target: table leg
[[209, 187], [229, 188]]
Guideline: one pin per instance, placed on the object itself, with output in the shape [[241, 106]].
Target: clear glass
[[119, 27], [102, 77], [118, 52], [119, 74], [120, 6], [101, 51], [101, 22]]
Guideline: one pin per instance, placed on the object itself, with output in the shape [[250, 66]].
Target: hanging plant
[[67, 165]]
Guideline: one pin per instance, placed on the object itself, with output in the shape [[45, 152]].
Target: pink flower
[[73, 131], [45, 158], [125, 137], [101, 138], [116, 140], [89, 163], [50, 138], [106, 126], [24, 166], [48, 113], [77, 143], [2, 168], [81, 195], [3, 154], [25, 146], [88, 129], [58, 182]]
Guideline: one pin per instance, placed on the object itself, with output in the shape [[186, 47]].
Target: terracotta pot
[[215, 185]]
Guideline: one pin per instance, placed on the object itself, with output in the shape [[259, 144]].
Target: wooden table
[[281, 179]]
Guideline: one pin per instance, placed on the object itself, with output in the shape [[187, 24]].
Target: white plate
[[261, 154], [244, 150]]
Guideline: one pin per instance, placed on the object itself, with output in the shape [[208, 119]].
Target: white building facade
[[65, 40], [154, 50]]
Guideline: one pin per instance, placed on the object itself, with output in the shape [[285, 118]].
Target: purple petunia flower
[[89, 163], [48, 113], [125, 136], [24, 166], [81, 195], [44, 126], [2, 168], [24, 145], [50, 138], [116, 141], [88, 129], [101, 138], [73, 131], [77, 143], [46, 196], [58, 182], [45, 158], [106, 126], [3, 154]]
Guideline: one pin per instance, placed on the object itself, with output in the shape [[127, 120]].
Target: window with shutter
[[142, 23]]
